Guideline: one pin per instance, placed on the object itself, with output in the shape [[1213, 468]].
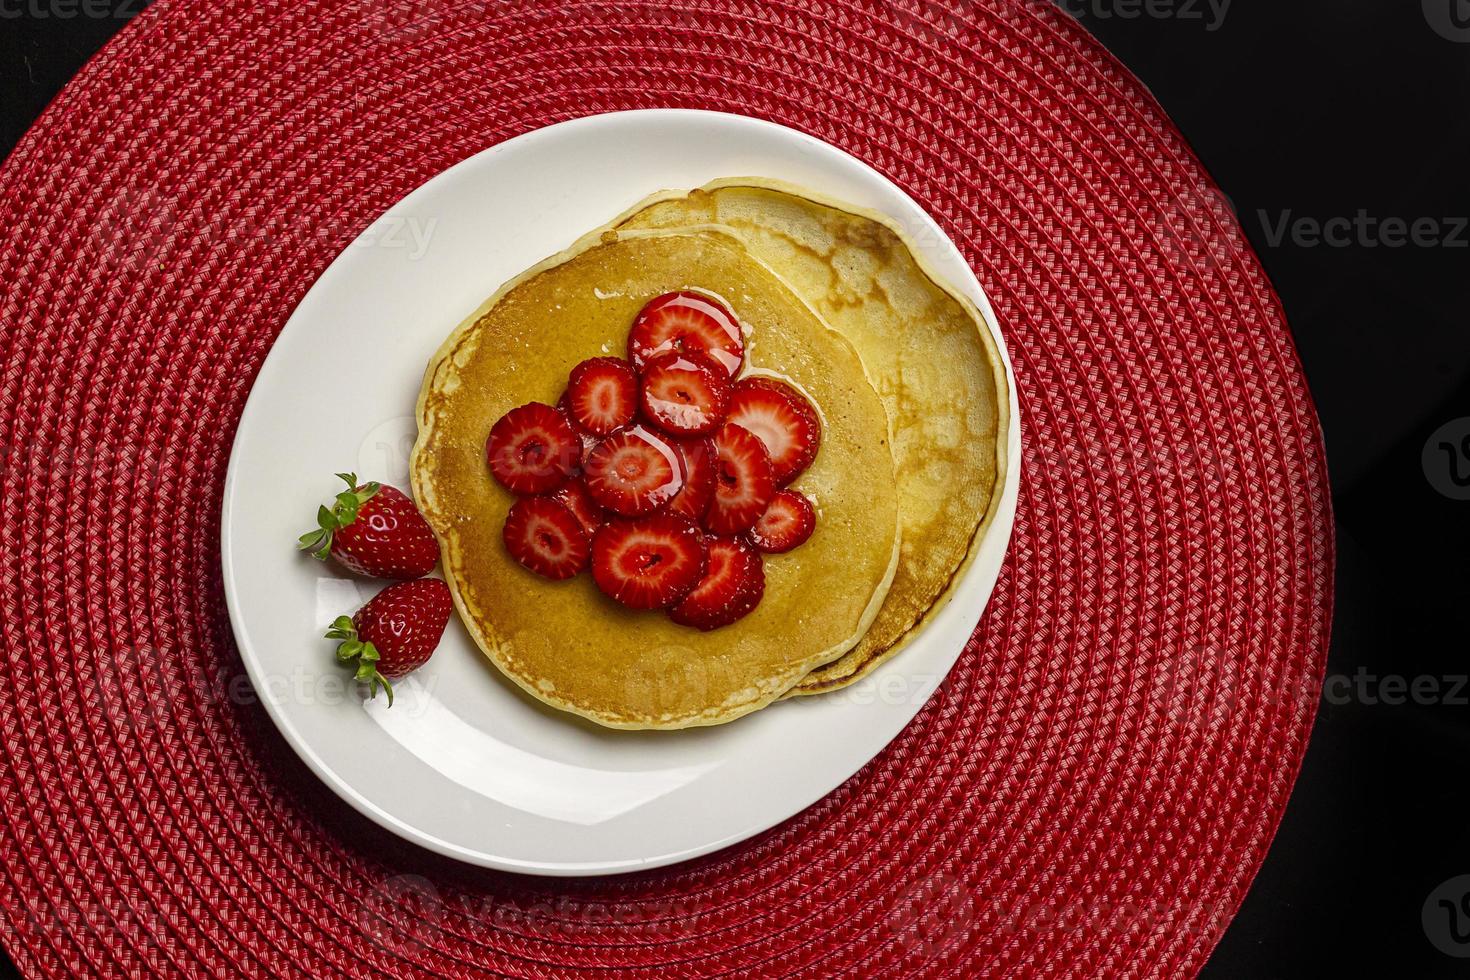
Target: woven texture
[[1088, 795]]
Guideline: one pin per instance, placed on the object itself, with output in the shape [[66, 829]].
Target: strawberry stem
[[345, 508], [361, 655]]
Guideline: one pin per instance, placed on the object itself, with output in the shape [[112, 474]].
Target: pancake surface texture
[[565, 642], [929, 353]]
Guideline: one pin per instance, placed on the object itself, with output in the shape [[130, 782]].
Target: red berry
[[633, 471], [786, 524], [743, 482], [698, 456], [783, 419], [732, 586], [532, 449], [649, 562], [395, 633], [546, 537], [687, 321], [574, 497], [373, 530], [405, 622], [684, 394], [602, 395]]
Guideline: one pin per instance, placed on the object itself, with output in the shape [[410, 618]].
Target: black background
[[1302, 109]]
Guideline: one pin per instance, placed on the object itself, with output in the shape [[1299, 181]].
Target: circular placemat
[[1089, 793]]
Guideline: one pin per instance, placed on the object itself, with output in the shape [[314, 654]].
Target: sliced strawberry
[[684, 394], [574, 497], [786, 524], [743, 482], [732, 586], [602, 395], [649, 562], [546, 537], [532, 449], [783, 419], [687, 321], [698, 456], [633, 471]]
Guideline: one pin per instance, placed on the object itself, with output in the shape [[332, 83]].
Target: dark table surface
[[1340, 129]]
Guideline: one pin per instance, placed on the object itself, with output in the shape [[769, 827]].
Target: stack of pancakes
[[912, 394]]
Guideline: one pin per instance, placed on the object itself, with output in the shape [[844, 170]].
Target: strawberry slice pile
[[667, 474]]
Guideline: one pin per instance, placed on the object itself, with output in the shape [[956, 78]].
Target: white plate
[[465, 764]]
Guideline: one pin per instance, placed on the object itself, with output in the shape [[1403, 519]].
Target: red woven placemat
[[1089, 794]]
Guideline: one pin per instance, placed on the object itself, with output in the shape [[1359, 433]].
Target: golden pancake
[[565, 642], [929, 353]]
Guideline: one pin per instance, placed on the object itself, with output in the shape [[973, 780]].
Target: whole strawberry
[[395, 633], [373, 530]]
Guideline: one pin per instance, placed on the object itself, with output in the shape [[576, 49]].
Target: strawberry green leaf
[[342, 628], [360, 655], [345, 509]]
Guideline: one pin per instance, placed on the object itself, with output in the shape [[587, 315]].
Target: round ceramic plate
[[464, 763]]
